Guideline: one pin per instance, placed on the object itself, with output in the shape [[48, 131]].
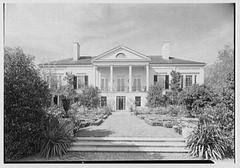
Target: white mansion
[[122, 74]]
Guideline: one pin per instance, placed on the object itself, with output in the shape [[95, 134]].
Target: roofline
[[124, 47]]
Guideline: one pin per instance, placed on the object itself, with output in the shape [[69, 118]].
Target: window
[[188, 80], [55, 100], [138, 101], [162, 80], [137, 84], [120, 55], [166, 81], [103, 101], [104, 84], [120, 84], [181, 81], [80, 81], [74, 82]]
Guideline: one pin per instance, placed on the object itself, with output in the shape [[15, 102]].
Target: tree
[[26, 96], [216, 74], [175, 86], [196, 98]]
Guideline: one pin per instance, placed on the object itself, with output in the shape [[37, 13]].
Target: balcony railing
[[124, 89]]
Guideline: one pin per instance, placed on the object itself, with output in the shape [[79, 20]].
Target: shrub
[[196, 97], [55, 140], [66, 105], [26, 96], [155, 98], [90, 97], [208, 141]]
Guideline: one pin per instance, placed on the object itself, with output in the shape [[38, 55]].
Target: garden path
[[123, 124]]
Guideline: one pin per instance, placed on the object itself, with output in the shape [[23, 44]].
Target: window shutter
[[155, 79], [166, 81], [74, 82], [86, 80]]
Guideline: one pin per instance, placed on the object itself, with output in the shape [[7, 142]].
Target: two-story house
[[123, 75]]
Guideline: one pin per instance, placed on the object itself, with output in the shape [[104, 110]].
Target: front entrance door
[[120, 102]]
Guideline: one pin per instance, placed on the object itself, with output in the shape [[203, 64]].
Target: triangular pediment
[[121, 53]]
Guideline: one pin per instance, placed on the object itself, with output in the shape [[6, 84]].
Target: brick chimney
[[166, 48], [76, 51]]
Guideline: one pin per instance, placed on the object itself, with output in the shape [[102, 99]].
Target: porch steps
[[129, 144]]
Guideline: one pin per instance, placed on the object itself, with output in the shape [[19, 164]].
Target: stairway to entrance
[[129, 144], [123, 132]]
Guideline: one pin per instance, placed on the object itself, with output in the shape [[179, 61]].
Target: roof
[[84, 60], [157, 59], [172, 60]]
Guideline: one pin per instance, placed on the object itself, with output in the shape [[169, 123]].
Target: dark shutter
[[166, 81], [74, 82], [155, 79], [181, 79], [86, 80]]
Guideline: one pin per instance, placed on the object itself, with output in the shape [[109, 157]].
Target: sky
[[47, 31]]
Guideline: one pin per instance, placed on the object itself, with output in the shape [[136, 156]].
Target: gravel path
[[123, 124]]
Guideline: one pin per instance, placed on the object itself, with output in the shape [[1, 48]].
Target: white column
[[94, 75], [111, 78], [147, 77], [99, 78], [130, 78]]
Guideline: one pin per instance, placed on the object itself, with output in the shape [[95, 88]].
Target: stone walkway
[[123, 124]]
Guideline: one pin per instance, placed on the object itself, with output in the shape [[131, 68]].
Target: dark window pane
[[103, 101], [138, 101], [155, 79], [166, 81], [74, 82], [86, 80]]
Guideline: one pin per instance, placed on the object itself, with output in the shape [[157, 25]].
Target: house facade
[[123, 75]]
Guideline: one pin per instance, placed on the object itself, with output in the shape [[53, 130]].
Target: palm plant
[[208, 142], [56, 140]]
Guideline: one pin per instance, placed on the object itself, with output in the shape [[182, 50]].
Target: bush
[[196, 97], [66, 106], [26, 96], [55, 140], [155, 98], [209, 142], [90, 97]]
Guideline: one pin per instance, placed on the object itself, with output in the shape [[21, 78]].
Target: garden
[[203, 114], [33, 124]]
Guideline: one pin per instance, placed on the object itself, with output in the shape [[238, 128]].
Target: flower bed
[[81, 117], [169, 117]]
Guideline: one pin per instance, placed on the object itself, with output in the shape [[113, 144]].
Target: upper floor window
[[80, 81], [104, 84], [162, 80], [188, 80], [120, 55], [136, 84]]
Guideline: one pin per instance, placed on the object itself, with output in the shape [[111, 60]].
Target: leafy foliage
[[217, 73], [55, 140], [155, 97], [196, 97], [208, 141], [25, 97], [175, 87], [89, 97]]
